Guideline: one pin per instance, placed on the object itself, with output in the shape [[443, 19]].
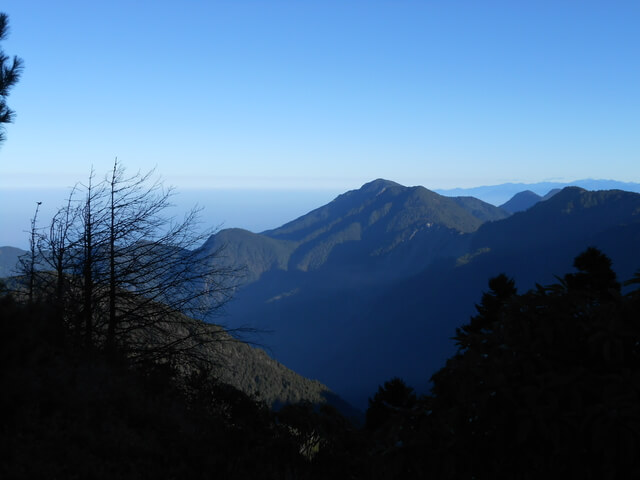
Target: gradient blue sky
[[324, 94]]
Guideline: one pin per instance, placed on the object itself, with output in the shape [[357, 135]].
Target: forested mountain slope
[[352, 332], [373, 284]]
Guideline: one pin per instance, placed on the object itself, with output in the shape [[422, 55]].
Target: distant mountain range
[[373, 284], [499, 194]]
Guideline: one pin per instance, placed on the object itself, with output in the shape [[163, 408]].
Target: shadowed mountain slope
[[373, 284], [252, 371], [355, 335], [257, 253], [569, 215], [234, 362], [481, 210]]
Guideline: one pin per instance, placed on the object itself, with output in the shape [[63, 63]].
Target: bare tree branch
[[127, 276]]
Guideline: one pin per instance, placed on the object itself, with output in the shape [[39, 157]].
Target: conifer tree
[[10, 71]]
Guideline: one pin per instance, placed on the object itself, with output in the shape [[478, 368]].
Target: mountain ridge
[[373, 284], [379, 218], [400, 324], [501, 193]]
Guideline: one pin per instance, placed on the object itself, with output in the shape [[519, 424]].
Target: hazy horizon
[[254, 209], [250, 209]]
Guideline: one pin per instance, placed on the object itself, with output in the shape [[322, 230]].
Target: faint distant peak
[[527, 194], [525, 200], [521, 201], [499, 194]]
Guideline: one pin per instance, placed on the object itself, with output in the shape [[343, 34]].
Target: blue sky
[[324, 94]]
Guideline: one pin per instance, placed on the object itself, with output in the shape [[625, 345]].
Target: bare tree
[[59, 246], [92, 230], [156, 269], [139, 274], [28, 261]]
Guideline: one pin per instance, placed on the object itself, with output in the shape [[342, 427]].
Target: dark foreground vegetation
[[71, 412], [545, 383]]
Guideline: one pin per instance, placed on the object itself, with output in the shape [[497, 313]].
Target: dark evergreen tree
[[594, 276], [501, 290], [392, 399], [10, 71]]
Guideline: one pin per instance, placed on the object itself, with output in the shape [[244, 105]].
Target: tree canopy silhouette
[[544, 383], [390, 400]]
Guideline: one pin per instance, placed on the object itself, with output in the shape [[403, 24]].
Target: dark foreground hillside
[[69, 412], [544, 384]]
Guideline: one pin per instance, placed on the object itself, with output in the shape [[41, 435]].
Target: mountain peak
[[378, 185], [521, 201]]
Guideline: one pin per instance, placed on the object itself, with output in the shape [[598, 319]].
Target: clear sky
[[324, 94]]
